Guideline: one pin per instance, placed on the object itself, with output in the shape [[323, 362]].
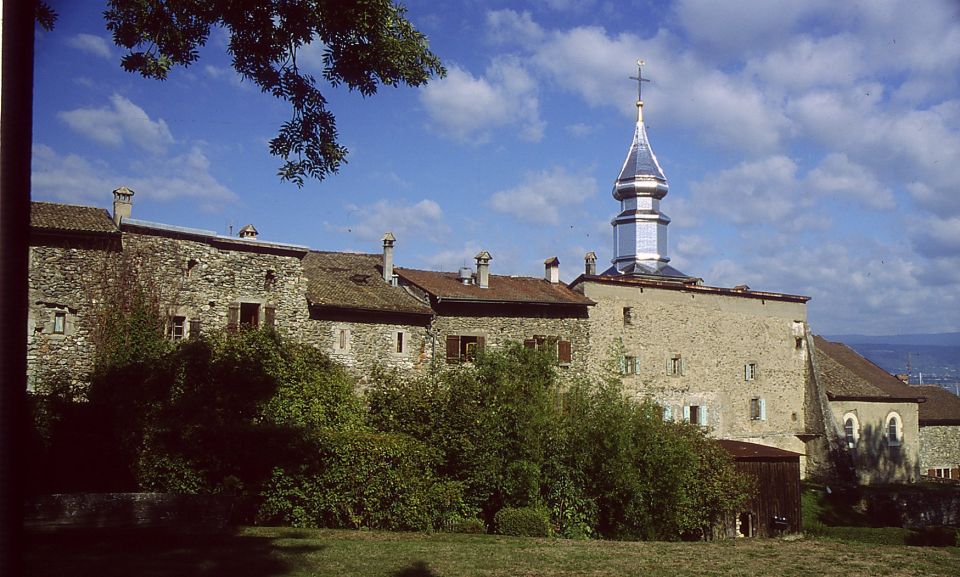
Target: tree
[[366, 43]]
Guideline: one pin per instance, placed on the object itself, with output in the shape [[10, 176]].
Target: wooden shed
[[774, 508]]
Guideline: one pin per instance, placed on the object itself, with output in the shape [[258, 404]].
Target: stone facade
[[876, 458], [940, 448], [385, 342], [693, 347]]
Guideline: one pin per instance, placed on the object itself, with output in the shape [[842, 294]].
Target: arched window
[[851, 430], [893, 430]]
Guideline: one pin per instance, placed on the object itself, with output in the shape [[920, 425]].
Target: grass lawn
[[267, 552]]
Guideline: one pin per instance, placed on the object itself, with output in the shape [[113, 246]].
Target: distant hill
[[923, 339]]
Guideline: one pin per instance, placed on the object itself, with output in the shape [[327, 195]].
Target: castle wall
[[692, 349], [939, 447], [874, 459]]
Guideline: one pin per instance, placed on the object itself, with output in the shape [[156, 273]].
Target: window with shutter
[[702, 419], [529, 344], [453, 349], [564, 352]]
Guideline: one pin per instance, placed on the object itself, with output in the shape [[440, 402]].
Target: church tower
[[640, 230]]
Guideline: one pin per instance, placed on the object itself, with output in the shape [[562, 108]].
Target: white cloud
[[511, 27], [75, 179], [838, 176], [91, 44], [121, 122], [422, 219], [469, 108], [755, 192], [938, 237], [542, 196], [451, 259]]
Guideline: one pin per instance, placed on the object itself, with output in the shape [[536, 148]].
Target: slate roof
[[641, 162], [52, 216], [942, 406], [847, 375], [744, 451], [446, 286], [354, 281]]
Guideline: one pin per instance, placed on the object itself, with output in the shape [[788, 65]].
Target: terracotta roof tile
[[504, 289], [67, 217], [354, 281], [941, 407], [846, 374]]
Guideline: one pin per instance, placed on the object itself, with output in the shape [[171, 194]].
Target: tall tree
[[366, 43]]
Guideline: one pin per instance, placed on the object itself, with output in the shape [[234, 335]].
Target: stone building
[[873, 415], [939, 432]]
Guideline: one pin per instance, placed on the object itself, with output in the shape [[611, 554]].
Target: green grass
[[279, 552]]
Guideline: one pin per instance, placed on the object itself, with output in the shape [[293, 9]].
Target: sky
[[810, 147]]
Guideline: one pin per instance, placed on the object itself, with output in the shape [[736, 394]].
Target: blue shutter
[[763, 409], [667, 413], [686, 413], [703, 416]]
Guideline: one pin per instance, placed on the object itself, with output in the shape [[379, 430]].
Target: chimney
[[552, 269], [388, 240], [249, 232], [122, 204], [483, 269], [590, 263]]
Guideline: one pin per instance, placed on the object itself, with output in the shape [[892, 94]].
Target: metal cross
[[640, 79]]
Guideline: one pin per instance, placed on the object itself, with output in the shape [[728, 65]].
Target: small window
[[191, 265], [696, 414], [463, 348], [400, 344], [175, 330], [851, 430], [249, 315], [629, 365], [893, 430], [627, 316], [940, 472], [270, 280], [750, 371], [59, 322], [341, 340], [676, 366], [758, 409]]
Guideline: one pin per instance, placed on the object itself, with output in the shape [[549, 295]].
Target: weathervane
[[640, 80]]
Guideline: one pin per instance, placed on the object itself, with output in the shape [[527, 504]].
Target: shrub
[[938, 536], [472, 526], [523, 522]]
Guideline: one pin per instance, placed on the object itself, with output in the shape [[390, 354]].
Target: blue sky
[[811, 147]]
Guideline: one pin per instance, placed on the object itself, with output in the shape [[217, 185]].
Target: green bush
[[523, 522], [472, 526], [938, 536]]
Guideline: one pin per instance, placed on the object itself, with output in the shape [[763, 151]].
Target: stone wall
[[712, 337], [874, 459], [939, 447]]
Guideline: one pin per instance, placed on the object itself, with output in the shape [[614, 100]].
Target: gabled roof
[[744, 451], [343, 280], [446, 286], [848, 376], [53, 217], [942, 406]]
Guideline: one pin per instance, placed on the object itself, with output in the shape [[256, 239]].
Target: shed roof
[[354, 281], [942, 406], [744, 451], [847, 375], [446, 286], [53, 216]]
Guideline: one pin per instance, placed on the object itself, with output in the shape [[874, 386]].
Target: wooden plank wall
[[778, 493]]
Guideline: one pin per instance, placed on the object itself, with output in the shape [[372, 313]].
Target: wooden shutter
[[453, 348], [233, 318], [269, 316], [686, 413], [703, 416], [955, 473], [564, 352], [931, 472], [194, 328], [636, 365], [667, 413], [763, 409], [683, 366], [746, 372], [529, 344], [481, 342]]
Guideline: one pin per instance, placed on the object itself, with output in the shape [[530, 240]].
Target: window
[[696, 414], [627, 316], [676, 365], [191, 264], [400, 344], [59, 322], [758, 409], [851, 430], [750, 371], [463, 348], [893, 430], [175, 328], [555, 345], [341, 339], [249, 316], [629, 365], [940, 473], [270, 280]]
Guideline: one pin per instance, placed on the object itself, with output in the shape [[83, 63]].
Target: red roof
[[446, 286], [942, 406], [744, 451]]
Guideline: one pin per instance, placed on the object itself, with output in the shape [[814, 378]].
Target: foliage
[[523, 522], [472, 526], [365, 44], [360, 480]]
